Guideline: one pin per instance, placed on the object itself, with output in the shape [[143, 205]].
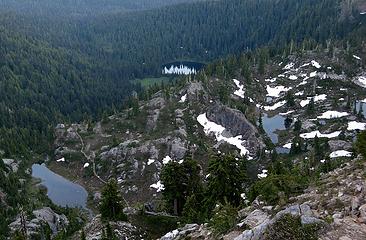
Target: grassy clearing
[[147, 82]]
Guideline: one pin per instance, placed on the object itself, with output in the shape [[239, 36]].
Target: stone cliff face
[[236, 124]]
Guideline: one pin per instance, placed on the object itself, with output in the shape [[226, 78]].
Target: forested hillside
[[71, 67], [74, 67], [41, 85], [138, 43], [79, 8]]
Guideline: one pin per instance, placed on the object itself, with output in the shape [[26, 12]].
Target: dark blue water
[[61, 191], [271, 124]]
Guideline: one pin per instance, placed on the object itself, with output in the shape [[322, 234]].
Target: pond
[[271, 124], [61, 191], [182, 68]]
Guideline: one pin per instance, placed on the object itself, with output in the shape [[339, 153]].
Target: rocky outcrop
[[194, 89], [335, 145], [236, 124], [154, 107], [190, 231], [122, 230], [42, 216], [11, 164], [259, 221]]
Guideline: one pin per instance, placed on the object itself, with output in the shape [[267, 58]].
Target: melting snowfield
[[319, 134], [332, 114], [362, 81], [217, 130], [356, 126], [276, 91], [340, 153], [158, 186], [183, 98], [240, 92], [316, 98], [275, 106], [264, 174]]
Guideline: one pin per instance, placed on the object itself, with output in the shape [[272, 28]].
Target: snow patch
[[61, 160], [183, 98], [287, 113], [158, 186], [166, 160], [303, 103], [302, 83], [362, 81], [340, 153], [356, 126], [299, 93], [333, 114], [276, 91], [313, 74], [315, 64], [243, 196], [293, 77], [264, 174], [150, 161], [275, 106], [272, 80], [289, 66], [288, 145], [316, 98], [86, 165], [240, 92], [211, 127], [305, 65], [357, 57], [319, 134]]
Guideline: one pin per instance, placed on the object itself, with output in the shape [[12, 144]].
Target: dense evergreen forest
[[41, 86], [82, 7], [76, 66]]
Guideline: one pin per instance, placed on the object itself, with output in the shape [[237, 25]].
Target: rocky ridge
[[336, 204]]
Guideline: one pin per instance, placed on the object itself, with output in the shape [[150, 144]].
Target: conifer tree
[[180, 182], [82, 235], [111, 206], [226, 180]]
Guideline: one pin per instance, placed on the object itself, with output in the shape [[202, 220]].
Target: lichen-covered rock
[[190, 231], [335, 145], [42, 216], [255, 218], [122, 230]]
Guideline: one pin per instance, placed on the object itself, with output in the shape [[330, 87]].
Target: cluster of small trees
[[187, 194]]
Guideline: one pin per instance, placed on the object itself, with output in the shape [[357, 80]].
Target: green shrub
[[275, 187], [223, 219], [289, 227]]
